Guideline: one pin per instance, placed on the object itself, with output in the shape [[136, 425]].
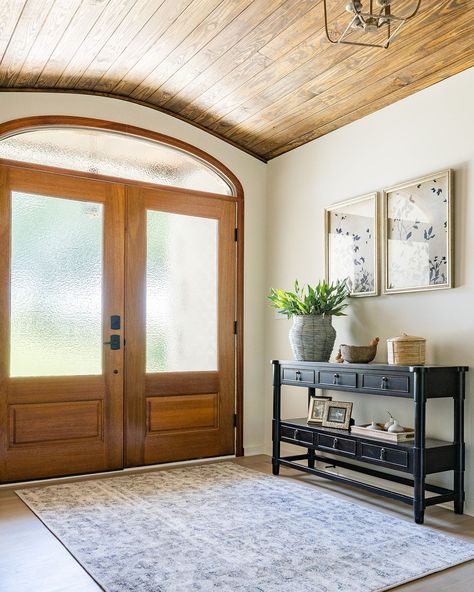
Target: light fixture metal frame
[[363, 17]]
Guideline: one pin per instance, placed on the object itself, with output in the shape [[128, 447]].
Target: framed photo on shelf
[[337, 414], [316, 409], [351, 235], [418, 234]]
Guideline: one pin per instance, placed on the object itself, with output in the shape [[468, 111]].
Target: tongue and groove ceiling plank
[[257, 73], [318, 98]]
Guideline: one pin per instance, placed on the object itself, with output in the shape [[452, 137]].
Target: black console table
[[418, 458]]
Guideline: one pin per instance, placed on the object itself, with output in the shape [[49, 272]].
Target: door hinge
[[235, 327], [236, 234], [235, 420]]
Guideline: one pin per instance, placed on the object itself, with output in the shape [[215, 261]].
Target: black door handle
[[114, 342]]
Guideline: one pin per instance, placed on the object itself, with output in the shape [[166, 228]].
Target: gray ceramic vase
[[312, 338]]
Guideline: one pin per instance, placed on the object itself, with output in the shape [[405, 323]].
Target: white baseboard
[[254, 450]]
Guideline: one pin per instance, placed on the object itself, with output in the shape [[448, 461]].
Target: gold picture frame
[[418, 234], [352, 244], [316, 409], [337, 414]]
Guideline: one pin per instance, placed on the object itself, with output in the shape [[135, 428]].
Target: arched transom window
[[114, 154]]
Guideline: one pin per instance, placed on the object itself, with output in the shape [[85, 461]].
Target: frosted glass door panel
[[181, 293], [56, 286]]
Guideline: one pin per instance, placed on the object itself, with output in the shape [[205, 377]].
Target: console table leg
[[419, 516], [311, 393], [276, 418], [275, 467], [459, 443], [458, 506], [276, 447], [419, 448], [311, 458]]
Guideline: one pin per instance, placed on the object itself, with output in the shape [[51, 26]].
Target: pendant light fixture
[[370, 17]]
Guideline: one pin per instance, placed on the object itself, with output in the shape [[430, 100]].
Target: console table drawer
[[297, 435], [385, 382], [337, 443], [388, 456], [297, 375], [338, 378]]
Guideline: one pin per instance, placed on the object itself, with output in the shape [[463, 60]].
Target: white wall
[[426, 132], [250, 172]]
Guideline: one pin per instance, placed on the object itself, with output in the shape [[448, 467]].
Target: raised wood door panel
[[70, 423], [180, 413]]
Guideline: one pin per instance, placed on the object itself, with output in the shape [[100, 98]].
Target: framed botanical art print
[[418, 234], [352, 244]]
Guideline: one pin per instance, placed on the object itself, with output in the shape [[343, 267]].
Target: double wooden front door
[[117, 308]]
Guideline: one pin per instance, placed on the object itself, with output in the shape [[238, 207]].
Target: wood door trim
[[52, 388], [5, 231], [135, 307], [26, 179], [173, 383], [239, 341], [109, 179]]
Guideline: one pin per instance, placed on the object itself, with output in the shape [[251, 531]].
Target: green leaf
[[323, 299]]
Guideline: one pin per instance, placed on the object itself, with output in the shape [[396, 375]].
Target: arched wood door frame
[[15, 126]]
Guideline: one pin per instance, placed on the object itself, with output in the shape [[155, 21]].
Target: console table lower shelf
[[320, 442]]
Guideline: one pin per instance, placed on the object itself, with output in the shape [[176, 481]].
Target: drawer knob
[[336, 379], [298, 375], [297, 434], [384, 384], [335, 443], [383, 454]]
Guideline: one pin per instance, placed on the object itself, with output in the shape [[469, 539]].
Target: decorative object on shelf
[[418, 235], [375, 426], [385, 436], [352, 244], [312, 335], [370, 26], [358, 354], [316, 409], [390, 420], [395, 428], [337, 414], [406, 350]]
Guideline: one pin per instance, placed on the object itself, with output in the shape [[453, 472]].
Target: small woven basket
[[406, 350]]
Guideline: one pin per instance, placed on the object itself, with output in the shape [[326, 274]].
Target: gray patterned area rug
[[227, 528]]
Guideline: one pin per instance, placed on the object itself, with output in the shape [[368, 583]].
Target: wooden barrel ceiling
[[257, 73]]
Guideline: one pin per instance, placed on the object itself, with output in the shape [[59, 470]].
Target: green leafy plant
[[323, 300]]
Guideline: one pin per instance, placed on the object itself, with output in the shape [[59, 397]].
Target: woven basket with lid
[[406, 350]]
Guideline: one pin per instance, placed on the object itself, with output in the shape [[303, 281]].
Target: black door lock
[[114, 342]]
